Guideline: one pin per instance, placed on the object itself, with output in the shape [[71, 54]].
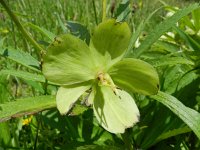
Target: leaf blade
[[188, 115], [24, 106]]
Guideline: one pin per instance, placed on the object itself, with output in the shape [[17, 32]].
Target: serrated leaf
[[115, 113], [111, 37], [186, 114], [68, 61], [135, 75], [162, 28], [20, 57], [67, 96], [25, 106]]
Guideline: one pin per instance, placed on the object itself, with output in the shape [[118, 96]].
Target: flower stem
[[104, 2], [20, 26], [95, 12]]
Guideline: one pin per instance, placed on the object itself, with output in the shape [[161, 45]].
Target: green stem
[[104, 2], [20, 27], [95, 12]]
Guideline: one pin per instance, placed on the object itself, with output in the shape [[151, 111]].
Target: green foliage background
[[175, 56]]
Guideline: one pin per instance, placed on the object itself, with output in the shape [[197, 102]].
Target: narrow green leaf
[[138, 31], [196, 18], [43, 31], [115, 112], [188, 115], [111, 37], [20, 57], [25, 106], [135, 75], [23, 75], [170, 61], [61, 24], [172, 133], [167, 46], [188, 39], [123, 11], [67, 96], [162, 28]]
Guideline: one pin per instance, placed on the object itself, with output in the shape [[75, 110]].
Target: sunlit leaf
[[67, 96], [135, 75], [25, 106], [188, 115], [170, 61], [115, 112], [20, 57], [188, 39], [24, 75], [123, 10], [111, 37]]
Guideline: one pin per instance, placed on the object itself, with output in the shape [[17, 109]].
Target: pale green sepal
[[112, 37], [135, 75], [68, 61], [67, 96], [115, 113]]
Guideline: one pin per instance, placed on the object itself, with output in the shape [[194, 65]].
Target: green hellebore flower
[[77, 67]]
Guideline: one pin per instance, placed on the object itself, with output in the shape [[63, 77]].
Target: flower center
[[105, 80]]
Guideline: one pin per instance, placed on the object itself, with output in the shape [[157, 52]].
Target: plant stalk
[[95, 12], [20, 27], [104, 2]]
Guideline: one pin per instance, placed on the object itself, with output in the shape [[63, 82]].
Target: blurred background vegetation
[[49, 130]]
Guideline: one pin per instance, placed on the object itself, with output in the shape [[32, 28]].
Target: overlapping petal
[[111, 37], [68, 61], [115, 112], [135, 75], [67, 96]]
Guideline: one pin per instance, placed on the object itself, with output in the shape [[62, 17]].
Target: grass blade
[[186, 114], [24, 75]]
